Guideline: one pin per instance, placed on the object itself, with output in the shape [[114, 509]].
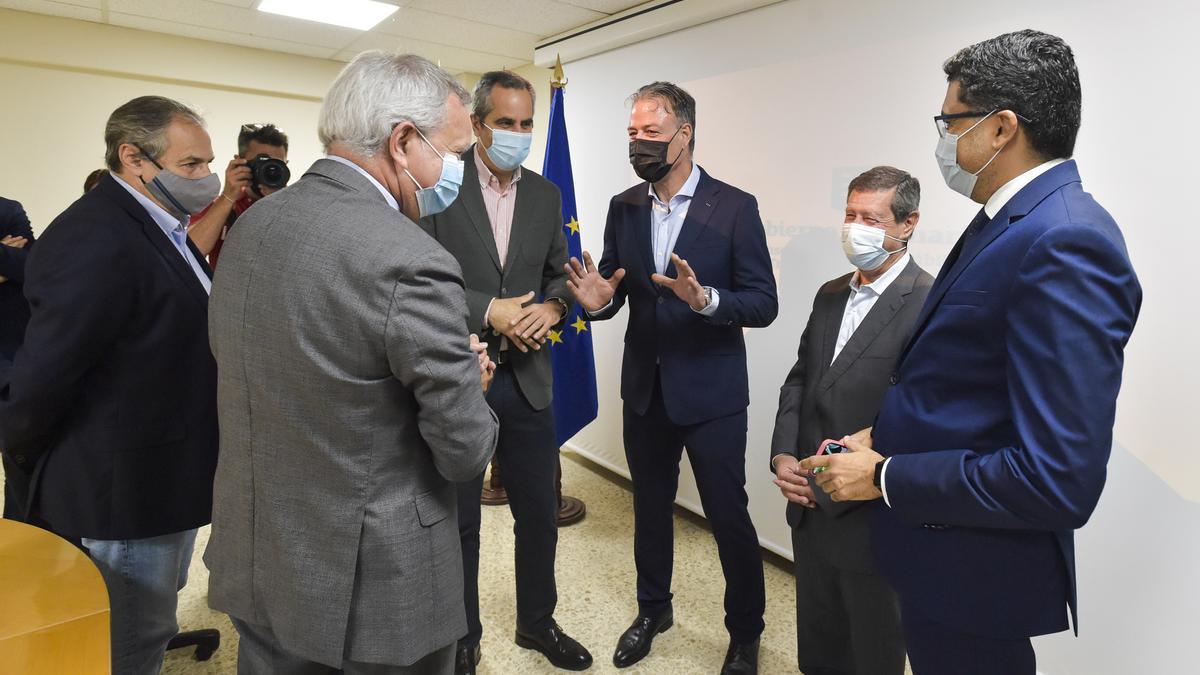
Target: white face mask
[[863, 245], [957, 178]]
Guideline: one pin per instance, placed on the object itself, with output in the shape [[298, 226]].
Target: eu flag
[[574, 367]]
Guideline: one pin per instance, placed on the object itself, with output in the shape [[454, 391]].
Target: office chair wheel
[[206, 642]]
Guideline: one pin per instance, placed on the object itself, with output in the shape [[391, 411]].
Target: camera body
[[268, 172]]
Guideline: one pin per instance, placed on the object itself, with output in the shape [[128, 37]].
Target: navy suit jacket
[[14, 310], [1000, 415], [110, 403], [700, 360]]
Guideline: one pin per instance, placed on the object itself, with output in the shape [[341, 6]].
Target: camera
[[268, 172]]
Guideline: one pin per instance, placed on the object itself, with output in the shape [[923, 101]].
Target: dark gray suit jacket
[[349, 405], [820, 399], [537, 252]]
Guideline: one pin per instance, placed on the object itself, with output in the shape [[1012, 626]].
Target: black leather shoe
[[635, 642], [741, 659], [559, 648], [466, 659]]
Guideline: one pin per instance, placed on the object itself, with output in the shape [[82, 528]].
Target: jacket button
[[660, 300], [20, 459], [895, 378], [503, 291]]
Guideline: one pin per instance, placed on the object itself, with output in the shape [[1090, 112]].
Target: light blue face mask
[[957, 178], [509, 148], [439, 197]]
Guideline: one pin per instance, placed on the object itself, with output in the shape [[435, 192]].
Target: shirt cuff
[[711, 307], [599, 311], [883, 481], [487, 312]]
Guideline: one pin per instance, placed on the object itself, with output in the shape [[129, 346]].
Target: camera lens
[[269, 172]]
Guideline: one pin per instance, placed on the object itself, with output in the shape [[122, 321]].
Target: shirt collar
[[1009, 190], [686, 192], [169, 223], [880, 285], [379, 186], [485, 174]]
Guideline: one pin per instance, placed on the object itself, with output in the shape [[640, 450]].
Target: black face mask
[[649, 158]]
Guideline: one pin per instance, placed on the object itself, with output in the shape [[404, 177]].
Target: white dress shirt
[[994, 203], [862, 298]]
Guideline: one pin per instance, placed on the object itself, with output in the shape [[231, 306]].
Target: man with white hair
[[348, 397]]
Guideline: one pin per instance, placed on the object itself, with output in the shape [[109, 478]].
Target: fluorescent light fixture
[[357, 14]]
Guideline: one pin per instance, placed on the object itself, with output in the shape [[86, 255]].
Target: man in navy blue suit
[[991, 445], [16, 241], [109, 408], [689, 255]]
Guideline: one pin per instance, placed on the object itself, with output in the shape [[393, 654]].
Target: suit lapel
[[642, 231], [704, 201], [471, 197], [835, 309], [880, 316], [161, 242]]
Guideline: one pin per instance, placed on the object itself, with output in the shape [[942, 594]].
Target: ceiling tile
[[453, 59], [605, 6], [444, 29], [540, 17], [86, 10], [214, 35], [252, 22]]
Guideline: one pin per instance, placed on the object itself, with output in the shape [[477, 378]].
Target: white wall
[[795, 99], [62, 78]]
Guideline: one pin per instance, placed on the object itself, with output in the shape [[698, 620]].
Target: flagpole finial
[[559, 80]]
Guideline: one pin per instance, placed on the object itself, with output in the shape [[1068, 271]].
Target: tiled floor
[[596, 597]]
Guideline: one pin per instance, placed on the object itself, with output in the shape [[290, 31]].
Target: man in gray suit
[[847, 617], [349, 400], [506, 230]]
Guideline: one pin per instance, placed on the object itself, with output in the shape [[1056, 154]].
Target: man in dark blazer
[[505, 230], [847, 617], [110, 404], [689, 255], [16, 241], [992, 441]]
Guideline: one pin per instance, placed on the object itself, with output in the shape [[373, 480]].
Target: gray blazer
[[537, 252], [349, 401], [822, 398]]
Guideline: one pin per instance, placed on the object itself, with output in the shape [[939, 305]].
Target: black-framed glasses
[[939, 121]]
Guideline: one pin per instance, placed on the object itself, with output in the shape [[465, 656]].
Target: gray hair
[[883, 178], [677, 102], [143, 122], [502, 78], [379, 90]]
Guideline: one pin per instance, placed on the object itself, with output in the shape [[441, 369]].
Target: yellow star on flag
[[555, 337], [580, 325], [573, 226]]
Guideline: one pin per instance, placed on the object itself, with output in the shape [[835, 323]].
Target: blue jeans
[[144, 577]]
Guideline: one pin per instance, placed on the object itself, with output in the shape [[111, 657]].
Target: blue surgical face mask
[[439, 197], [957, 178], [508, 148]]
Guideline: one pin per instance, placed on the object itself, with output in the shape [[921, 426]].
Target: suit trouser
[[143, 577], [717, 452], [847, 622], [259, 653], [16, 489], [528, 454], [935, 649]]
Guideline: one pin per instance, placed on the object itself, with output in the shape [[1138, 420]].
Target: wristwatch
[[879, 474], [707, 296]]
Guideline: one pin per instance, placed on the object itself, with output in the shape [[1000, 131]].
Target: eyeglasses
[[939, 121]]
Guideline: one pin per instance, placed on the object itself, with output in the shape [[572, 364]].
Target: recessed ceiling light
[[357, 14]]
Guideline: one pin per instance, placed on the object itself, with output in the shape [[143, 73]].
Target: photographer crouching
[[259, 169]]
